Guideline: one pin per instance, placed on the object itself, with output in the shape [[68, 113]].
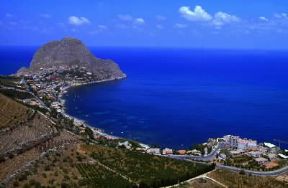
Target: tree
[[242, 172], [89, 133]]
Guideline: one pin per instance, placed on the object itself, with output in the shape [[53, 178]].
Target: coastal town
[[48, 86], [230, 151]]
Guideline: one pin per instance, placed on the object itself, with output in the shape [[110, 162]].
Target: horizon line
[[160, 47]]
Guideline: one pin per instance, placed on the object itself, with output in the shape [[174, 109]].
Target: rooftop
[[269, 145]]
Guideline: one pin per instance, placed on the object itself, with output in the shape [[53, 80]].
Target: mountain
[[71, 52]]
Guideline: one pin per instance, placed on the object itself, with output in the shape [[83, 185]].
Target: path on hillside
[[115, 172], [203, 176]]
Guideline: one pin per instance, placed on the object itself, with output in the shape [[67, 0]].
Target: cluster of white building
[[240, 143], [262, 153]]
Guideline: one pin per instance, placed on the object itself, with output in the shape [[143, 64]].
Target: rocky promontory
[[71, 53]]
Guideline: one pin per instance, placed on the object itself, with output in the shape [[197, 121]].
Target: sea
[[177, 98]]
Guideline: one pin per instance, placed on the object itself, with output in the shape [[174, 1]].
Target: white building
[[155, 151], [269, 145], [125, 144], [167, 151], [194, 152], [283, 156], [239, 143], [246, 144], [254, 154], [144, 146]]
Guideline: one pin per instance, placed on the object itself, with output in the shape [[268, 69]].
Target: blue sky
[[251, 24]]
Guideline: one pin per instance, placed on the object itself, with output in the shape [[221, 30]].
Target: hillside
[[11, 112], [47, 150]]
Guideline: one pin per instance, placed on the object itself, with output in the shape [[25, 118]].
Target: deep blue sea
[[180, 97]]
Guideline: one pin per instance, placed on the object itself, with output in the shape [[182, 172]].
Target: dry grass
[[236, 180], [283, 178], [55, 167], [28, 134], [12, 112], [200, 183], [9, 166]]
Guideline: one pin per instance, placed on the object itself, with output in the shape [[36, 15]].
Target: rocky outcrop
[[71, 52]]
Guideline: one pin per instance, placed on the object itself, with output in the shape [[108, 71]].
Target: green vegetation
[[144, 169], [9, 81], [244, 161], [16, 94], [96, 176]]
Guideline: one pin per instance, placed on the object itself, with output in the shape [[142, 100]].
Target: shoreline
[[78, 121]]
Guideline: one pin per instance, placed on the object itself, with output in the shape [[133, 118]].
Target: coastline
[[78, 121]]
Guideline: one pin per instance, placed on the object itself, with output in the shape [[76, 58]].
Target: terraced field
[[26, 127], [9, 81], [12, 113]]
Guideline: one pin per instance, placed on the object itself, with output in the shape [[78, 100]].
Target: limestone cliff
[[71, 52]]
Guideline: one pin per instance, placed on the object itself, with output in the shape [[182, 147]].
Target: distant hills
[[71, 52]]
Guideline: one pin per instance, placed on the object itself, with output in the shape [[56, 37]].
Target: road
[[256, 173], [208, 158], [212, 155]]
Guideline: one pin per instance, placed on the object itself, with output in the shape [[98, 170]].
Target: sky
[[235, 24]]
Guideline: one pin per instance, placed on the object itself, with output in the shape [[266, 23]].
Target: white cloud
[[139, 21], [198, 14], [281, 15], [201, 15], [221, 18], [99, 29], [130, 20], [78, 21], [180, 26], [262, 18]]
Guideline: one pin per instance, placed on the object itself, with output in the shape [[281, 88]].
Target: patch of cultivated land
[[95, 175], [144, 169], [77, 166], [232, 179], [34, 130], [12, 112], [53, 163], [9, 81], [21, 128], [200, 183], [12, 165], [283, 178]]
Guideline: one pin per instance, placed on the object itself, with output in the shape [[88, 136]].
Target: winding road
[[212, 155], [255, 173]]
